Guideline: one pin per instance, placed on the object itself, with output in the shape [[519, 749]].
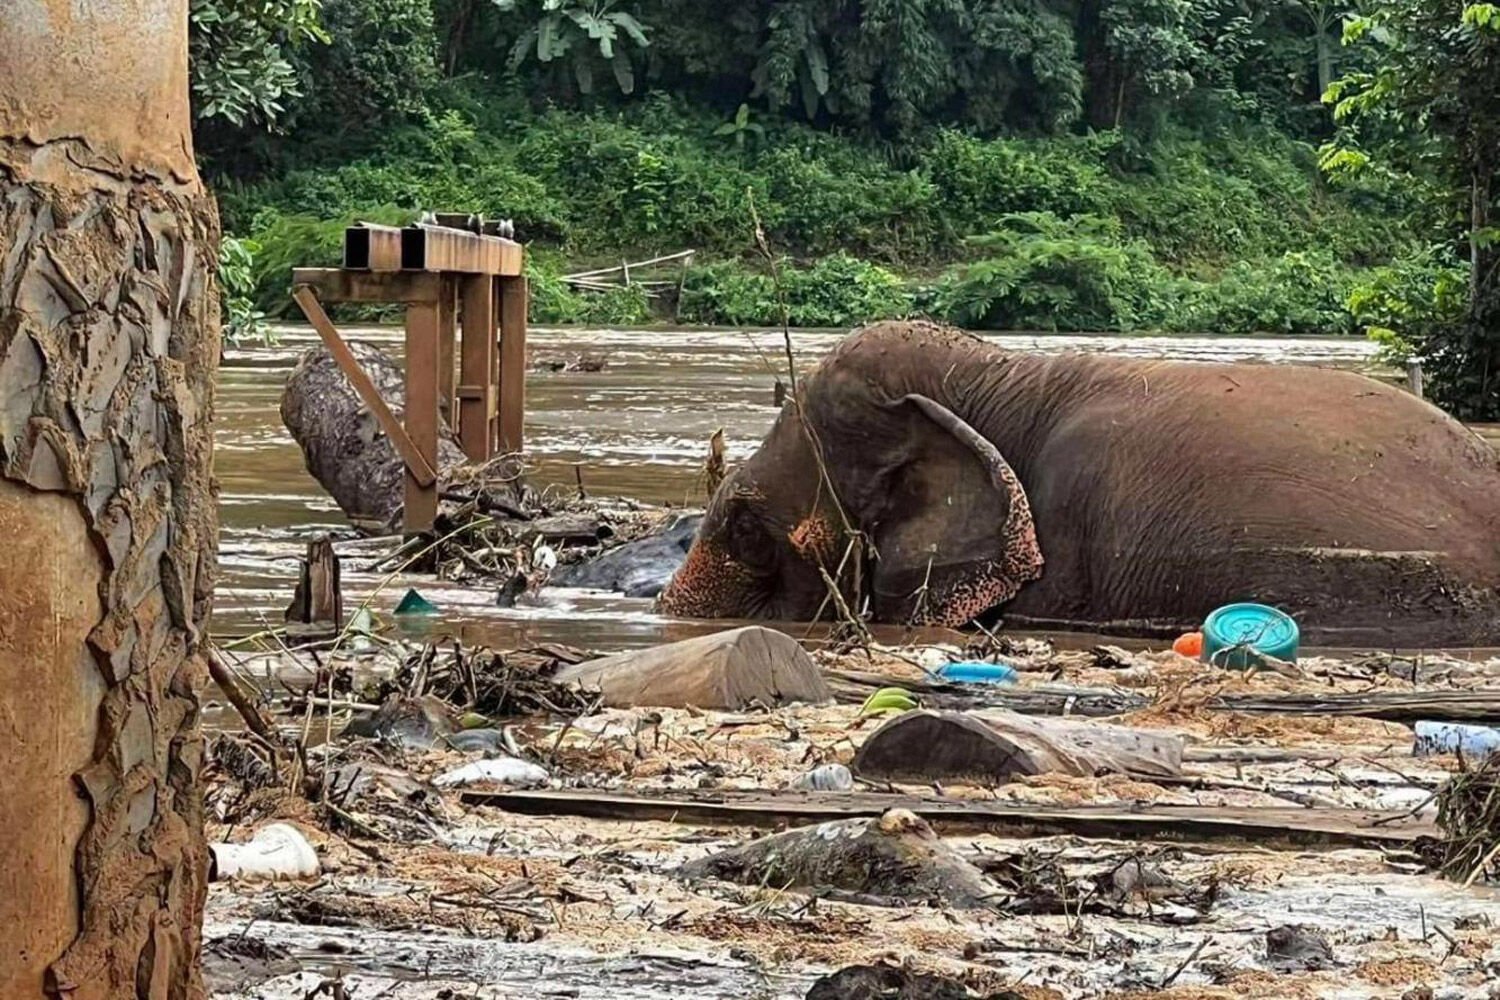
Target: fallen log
[[995, 746], [727, 670], [1456, 705], [897, 856], [342, 443], [1135, 821]]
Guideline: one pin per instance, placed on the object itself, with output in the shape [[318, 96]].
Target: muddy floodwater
[[638, 427]]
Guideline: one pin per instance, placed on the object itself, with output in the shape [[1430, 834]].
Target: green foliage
[[581, 33], [1298, 292], [241, 319], [1407, 305], [241, 53], [379, 66], [1430, 104], [836, 291], [1044, 272]]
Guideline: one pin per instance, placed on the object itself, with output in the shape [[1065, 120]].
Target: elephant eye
[[746, 530]]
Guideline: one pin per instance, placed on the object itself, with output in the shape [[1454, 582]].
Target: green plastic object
[[1236, 634], [415, 604]]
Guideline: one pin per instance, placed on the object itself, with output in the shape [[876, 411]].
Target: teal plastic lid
[[1263, 629]]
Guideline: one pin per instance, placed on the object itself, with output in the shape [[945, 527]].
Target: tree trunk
[[108, 345]]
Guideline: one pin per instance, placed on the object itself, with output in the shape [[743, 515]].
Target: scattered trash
[[1298, 948], [1189, 645], [416, 723], [889, 982], [828, 778], [415, 604], [276, 851], [1434, 738], [727, 670], [897, 857], [1234, 635], [973, 672], [888, 699], [476, 740], [499, 770]]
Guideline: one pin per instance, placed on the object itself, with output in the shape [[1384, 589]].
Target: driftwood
[[897, 856], [1457, 705], [344, 447], [994, 746], [318, 598], [1139, 821], [728, 670]]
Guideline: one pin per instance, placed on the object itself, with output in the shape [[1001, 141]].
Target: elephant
[[921, 475]]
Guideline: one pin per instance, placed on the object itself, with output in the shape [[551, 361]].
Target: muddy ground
[[426, 896]]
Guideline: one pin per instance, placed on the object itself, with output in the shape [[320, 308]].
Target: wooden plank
[[337, 285], [447, 332], [512, 380], [418, 467], [476, 388], [1254, 825], [422, 412]]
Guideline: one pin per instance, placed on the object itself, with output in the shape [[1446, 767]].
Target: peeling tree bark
[[108, 346]]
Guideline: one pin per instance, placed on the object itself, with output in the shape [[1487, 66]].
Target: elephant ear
[[953, 533]]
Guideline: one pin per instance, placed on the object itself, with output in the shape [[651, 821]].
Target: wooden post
[[1414, 376], [447, 323], [476, 385], [513, 300], [422, 412]]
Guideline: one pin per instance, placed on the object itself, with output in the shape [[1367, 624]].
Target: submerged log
[[897, 857], [998, 745], [728, 670], [343, 444]]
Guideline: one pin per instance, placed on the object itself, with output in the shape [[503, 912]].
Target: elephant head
[[872, 482]]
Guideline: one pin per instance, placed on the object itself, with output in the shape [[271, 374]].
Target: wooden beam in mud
[[1458, 705], [422, 353], [1257, 825], [513, 294]]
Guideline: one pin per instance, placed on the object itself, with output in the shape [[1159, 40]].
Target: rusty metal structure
[[453, 273]]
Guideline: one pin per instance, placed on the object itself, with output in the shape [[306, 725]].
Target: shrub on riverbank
[[1234, 234]]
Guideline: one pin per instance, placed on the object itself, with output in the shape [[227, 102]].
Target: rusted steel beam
[[439, 248], [476, 390], [421, 505], [368, 247], [334, 284], [447, 334], [419, 467], [512, 380]]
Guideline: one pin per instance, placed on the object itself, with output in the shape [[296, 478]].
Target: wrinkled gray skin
[[637, 569], [1152, 493]]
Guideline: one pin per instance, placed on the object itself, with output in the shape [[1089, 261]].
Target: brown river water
[[638, 428]]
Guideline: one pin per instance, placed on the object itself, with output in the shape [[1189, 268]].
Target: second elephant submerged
[[938, 478]]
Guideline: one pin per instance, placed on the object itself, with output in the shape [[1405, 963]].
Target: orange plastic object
[[1189, 645]]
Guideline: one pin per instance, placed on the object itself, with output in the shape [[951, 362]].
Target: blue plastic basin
[[978, 673], [1233, 634]]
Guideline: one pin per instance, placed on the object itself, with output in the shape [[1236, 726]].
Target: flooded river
[[637, 428]]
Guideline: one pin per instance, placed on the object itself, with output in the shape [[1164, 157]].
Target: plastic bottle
[[970, 672], [1434, 738]]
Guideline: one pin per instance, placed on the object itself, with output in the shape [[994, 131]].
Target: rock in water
[[897, 856], [343, 444], [727, 670], [636, 569]]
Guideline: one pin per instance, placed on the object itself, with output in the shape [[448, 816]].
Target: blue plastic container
[[1233, 634], [968, 672]]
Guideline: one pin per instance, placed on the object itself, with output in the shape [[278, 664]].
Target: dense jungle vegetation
[[1222, 166]]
